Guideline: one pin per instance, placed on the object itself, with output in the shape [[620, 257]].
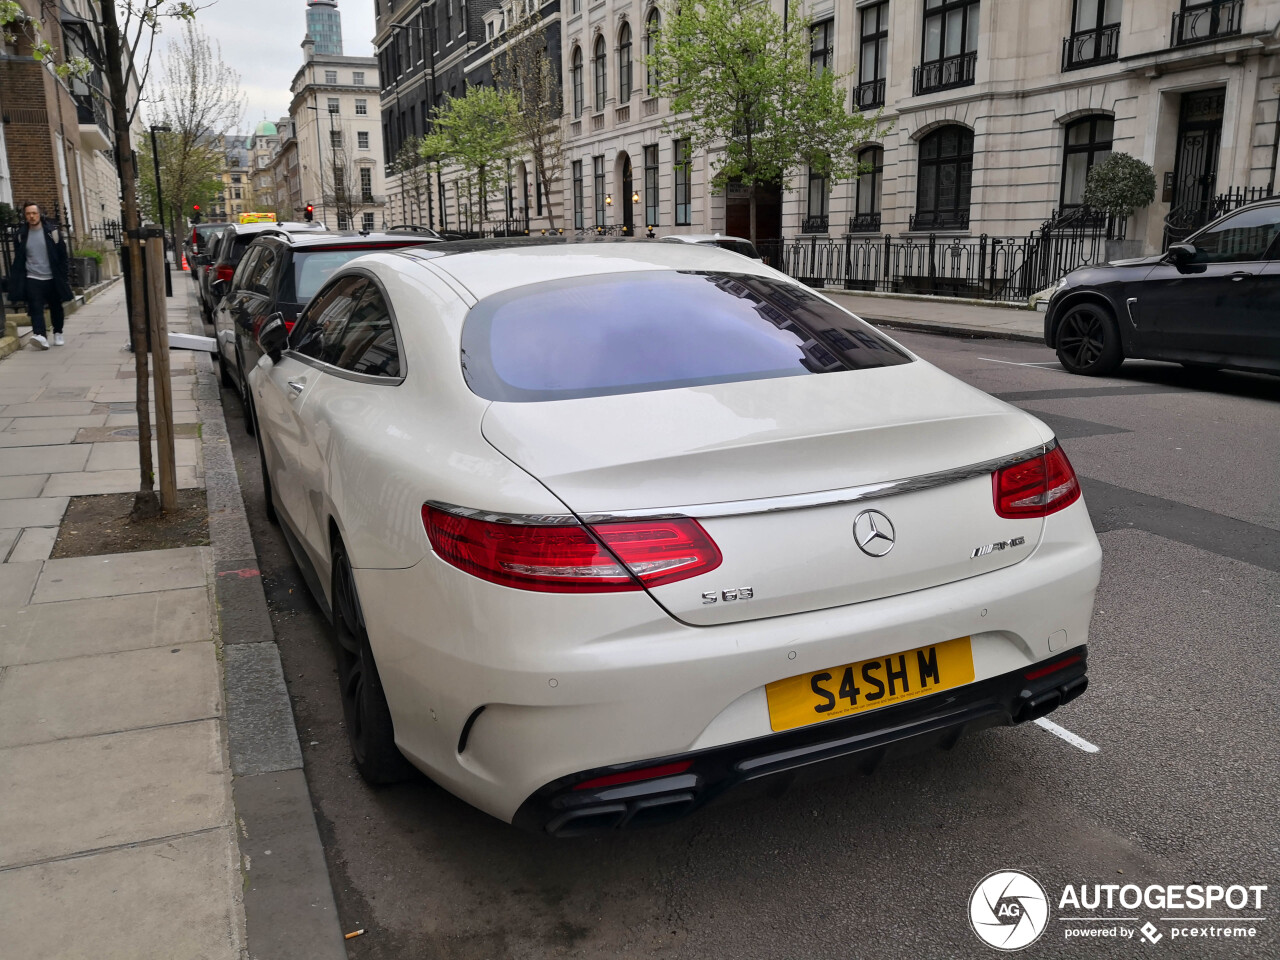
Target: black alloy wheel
[[1088, 341], [364, 706]]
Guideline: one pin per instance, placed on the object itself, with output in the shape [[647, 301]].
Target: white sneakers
[[39, 342], [57, 340]]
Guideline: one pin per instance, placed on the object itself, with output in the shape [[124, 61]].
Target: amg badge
[[998, 545]]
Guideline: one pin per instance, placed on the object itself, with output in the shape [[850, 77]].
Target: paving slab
[[7, 539], [56, 408], [20, 460], [17, 581], [56, 392], [85, 696], [108, 481], [92, 793], [156, 901], [22, 486], [36, 543], [36, 438], [75, 628], [121, 573], [56, 423], [37, 512], [117, 456], [15, 394]]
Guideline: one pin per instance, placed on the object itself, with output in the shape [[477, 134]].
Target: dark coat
[[55, 241]]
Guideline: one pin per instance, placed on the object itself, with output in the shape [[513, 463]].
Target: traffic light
[[195, 213], [311, 213]]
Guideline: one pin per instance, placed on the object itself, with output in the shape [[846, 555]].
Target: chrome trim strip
[[738, 508]]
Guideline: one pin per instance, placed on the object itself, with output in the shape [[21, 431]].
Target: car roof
[[703, 238], [352, 238], [486, 267]]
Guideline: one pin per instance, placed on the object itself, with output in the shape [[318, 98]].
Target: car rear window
[[657, 330], [743, 247], [313, 268]]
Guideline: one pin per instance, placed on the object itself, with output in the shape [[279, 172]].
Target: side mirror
[[273, 338], [202, 259], [1181, 254], [218, 288]]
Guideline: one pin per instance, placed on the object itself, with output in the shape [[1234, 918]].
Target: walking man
[[40, 272]]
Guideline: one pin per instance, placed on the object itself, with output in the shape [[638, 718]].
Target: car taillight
[[225, 272], [632, 776], [1036, 487], [601, 558], [288, 326]]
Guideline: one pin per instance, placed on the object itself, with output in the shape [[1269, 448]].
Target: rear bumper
[[940, 720]]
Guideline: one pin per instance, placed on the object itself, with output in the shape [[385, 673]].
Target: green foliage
[[189, 173], [1119, 185], [88, 254], [738, 81], [475, 133]]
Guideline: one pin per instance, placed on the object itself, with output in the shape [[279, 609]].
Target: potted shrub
[[1119, 186]]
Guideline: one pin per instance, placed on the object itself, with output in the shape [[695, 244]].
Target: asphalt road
[[1179, 471]]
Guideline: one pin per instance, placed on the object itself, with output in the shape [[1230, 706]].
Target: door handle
[[1239, 275], [297, 386]]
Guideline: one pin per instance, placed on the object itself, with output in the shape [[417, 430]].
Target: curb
[[953, 329], [290, 913]]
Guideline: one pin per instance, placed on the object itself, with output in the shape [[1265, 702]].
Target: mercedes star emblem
[[873, 532]]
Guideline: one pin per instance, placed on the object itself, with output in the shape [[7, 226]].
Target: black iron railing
[[865, 223], [1091, 47], [815, 224], [1185, 219], [1203, 22], [944, 74], [869, 95], [946, 220]]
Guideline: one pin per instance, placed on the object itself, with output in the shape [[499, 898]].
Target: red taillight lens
[[632, 776], [288, 326], [572, 559], [1036, 487], [1052, 668], [225, 272]]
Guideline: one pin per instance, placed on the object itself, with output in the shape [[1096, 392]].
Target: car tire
[[1088, 341], [266, 475], [370, 731], [246, 404], [224, 376]]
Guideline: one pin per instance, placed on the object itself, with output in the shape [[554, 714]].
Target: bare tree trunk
[[146, 503], [751, 193]]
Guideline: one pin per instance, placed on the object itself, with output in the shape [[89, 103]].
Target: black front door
[[628, 190], [1195, 171]]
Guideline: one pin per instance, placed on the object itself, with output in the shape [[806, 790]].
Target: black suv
[[1213, 301], [225, 248], [276, 276]]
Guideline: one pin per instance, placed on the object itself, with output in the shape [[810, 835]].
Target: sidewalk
[[944, 315], [126, 829]]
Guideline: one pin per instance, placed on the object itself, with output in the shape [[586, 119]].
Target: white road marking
[[1066, 735], [1015, 363]]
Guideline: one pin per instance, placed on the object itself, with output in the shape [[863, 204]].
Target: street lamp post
[[155, 159]]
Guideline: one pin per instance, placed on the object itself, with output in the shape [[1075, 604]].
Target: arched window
[[577, 81], [866, 217], [651, 25], [600, 76], [624, 63], [945, 180], [1088, 141]]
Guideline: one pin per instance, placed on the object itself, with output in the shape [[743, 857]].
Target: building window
[[599, 68], [575, 7], [866, 218], [362, 139], [331, 76], [597, 188], [1088, 142], [950, 50], [362, 108], [945, 179], [333, 104], [624, 63], [366, 222], [682, 169], [235, 193], [577, 194], [1202, 20], [335, 139], [366, 185], [576, 72], [235, 178], [651, 25], [1095, 34], [651, 185], [357, 78], [873, 61], [816, 219], [820, 49]]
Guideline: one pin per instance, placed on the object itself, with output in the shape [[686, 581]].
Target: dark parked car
[[198, 243], [1213, 301], [229, 245], [277, 275]]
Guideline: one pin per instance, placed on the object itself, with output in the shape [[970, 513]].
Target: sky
[[260, 39]]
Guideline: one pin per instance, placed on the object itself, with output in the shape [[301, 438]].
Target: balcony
[[91, 117], [865, 223], [869, 95], [940, 220], [945, 74], [1091, 47], [1205, 22], [815, 225]]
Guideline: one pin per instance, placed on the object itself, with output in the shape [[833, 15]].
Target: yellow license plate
[[858, 687]]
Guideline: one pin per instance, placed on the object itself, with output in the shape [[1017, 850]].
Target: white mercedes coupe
[[606, 529]]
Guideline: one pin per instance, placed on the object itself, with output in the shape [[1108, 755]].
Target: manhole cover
[[125, 432]]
